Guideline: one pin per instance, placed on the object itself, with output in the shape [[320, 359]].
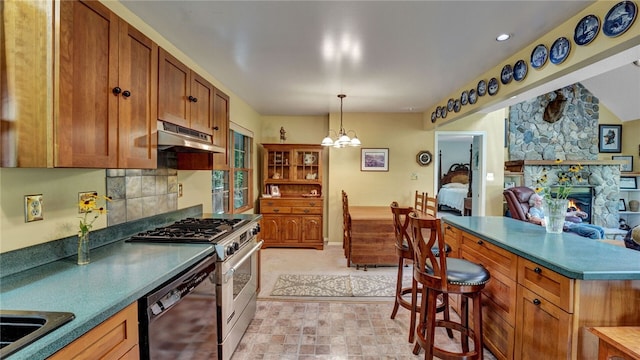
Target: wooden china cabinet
[[292, 202]]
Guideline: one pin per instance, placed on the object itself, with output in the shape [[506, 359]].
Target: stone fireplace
[[581, 198], [602, 177]]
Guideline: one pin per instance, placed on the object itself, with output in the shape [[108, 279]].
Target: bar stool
[[441, 275], [404, 250]]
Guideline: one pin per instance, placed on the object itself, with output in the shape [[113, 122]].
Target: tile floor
[[326, 328]]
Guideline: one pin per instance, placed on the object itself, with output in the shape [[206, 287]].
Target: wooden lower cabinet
[[292, 223], [115, 338], [542, 326], [532, 312]]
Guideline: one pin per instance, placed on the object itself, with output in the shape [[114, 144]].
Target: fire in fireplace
[[581, 198]]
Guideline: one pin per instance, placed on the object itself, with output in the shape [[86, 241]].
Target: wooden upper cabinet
[[105, 101], [184, 97]]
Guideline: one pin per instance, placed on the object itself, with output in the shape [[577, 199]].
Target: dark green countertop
[[118, 275], [568, 254]]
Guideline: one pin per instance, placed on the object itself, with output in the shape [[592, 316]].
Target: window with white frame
[[231, 184]]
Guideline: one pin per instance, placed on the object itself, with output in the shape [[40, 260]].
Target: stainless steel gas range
[[233, 285]]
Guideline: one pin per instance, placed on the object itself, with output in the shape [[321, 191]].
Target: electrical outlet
[[179, 189], [33, 208]]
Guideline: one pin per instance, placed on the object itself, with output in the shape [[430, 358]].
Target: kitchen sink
[[19, 328]]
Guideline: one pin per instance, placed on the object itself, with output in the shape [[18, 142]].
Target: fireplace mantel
[[517, 165]]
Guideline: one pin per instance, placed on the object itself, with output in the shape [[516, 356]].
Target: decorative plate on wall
[[482, 87], [457, 106], [520, 70], [539, 56], [506, 74], [493, 86], [433, 117], [473, 96], [450, 104], [443, 114], [559, 50], [619, 19], [586, 30], [464, 97], [424, 158]]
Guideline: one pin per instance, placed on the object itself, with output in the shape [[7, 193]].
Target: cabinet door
[[137, 113], [174, 86], [543, 330], [312, 229], [86, 123], [201, 101], [270, 229], [291, 229], [221, 126]]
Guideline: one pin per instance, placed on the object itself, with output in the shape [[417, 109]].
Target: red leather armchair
[[518, 201]]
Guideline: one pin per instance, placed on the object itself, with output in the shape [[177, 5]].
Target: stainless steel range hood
[[177, 138]]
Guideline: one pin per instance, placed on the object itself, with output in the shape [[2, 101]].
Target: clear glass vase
[[555, 211], [83, 249]]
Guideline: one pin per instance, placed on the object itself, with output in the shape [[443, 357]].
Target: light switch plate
[[33, 208]]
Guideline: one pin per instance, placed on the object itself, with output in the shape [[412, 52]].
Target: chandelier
[[342, 138]]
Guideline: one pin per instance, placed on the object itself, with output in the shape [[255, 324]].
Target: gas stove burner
[[194, 222], [177, 234]]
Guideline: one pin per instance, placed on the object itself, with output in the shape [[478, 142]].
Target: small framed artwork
[[275, 191], [610, 138], [509, 184], [627, 162], [628, 182], [374, 160], [622, 206]]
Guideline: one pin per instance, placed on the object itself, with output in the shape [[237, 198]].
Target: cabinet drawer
[[306, 210], [494, 258], [501, 289], [452, 237], [316, 202], [275, 210], [548, 284]]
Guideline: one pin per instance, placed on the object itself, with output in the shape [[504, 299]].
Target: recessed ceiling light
[[503, 37]]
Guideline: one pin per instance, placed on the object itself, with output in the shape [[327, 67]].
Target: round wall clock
[[424, 158]]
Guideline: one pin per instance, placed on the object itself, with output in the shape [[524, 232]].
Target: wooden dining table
[[372, 237]]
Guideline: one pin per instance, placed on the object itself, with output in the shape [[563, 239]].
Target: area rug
[[334, 285]]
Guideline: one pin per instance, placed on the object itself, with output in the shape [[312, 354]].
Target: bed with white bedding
[[454, 185], [453, 195]]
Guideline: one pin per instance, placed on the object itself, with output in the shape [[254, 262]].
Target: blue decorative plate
[[438, 112], [520, 70], [450, 104], [443, 114], [493, 86], [464, 97], [482, 87], [506, 74], [559, 50], [539, 56], [473, 96], [433, 117], [620, 18], [586, 30], [457, 106]]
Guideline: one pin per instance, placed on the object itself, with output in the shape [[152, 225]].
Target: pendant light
[[342, 138]]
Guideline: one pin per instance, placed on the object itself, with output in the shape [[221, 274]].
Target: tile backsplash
[[139, 193]]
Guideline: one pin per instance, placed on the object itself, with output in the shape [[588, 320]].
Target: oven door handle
[[229, 274]]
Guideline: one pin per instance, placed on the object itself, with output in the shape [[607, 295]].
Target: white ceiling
[[294, 57]]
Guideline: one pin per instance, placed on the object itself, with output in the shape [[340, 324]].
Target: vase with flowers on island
[[554, 190], [90, 211]]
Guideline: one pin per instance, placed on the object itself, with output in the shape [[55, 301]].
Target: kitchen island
[[546, 290]]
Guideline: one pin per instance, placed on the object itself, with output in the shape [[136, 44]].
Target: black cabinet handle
[[536, 302], [537, 270], [116, 90], [480, 242], [126, 93], [216, 128], [276, 210], [193, 99], [306, 211], [448, 227]]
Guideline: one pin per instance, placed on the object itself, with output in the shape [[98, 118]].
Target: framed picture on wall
[[622, 206], [610, 138], [627, 162], [628, 183], [374, 160]]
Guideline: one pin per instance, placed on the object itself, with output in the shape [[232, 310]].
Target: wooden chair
[[405, 253], [431, 206], [419, 201], [346, 228], [439, 274]]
